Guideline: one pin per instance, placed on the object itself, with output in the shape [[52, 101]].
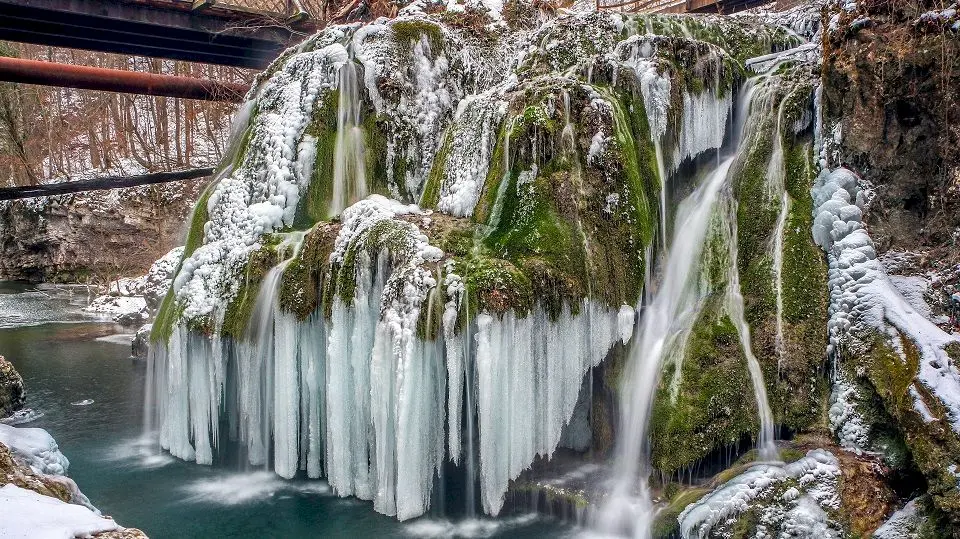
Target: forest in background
[[55, 134]]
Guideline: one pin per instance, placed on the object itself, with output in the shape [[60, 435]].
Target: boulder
[[12, 394], [141, 342]]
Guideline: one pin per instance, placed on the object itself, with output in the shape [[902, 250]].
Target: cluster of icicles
[[364, 402], [349, 399]]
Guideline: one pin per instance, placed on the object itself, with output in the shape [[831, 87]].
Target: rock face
[[95, 236], [141, 342], [890, 111], [893, 77], [12, 394], [132, 301]]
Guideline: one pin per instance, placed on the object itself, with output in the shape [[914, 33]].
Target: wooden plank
[[99, 184]]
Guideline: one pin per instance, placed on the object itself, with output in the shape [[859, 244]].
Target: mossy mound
[[886, 384]]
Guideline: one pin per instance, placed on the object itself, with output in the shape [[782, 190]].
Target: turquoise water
[[67, 357]]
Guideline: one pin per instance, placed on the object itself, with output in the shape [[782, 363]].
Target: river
[[68, 358]]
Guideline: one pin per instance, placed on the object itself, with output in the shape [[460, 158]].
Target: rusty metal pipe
[[117, 80]]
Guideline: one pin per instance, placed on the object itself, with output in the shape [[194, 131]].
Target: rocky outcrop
[[133, 301], [141, 342], [12, 393], [891, 115], [32, 463], [95, 236]]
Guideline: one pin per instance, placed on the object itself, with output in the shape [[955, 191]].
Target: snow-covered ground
[[29, 515], [131, 301]]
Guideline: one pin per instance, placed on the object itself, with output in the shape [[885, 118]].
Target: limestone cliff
[[96, 236]]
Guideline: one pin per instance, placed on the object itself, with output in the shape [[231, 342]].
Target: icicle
[[529, 374]]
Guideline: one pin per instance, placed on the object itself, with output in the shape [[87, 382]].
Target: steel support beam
[[107, 182], [153, 29], [116, 80]]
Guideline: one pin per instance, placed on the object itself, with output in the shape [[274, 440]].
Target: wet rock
[[12, 394], [141, 342]]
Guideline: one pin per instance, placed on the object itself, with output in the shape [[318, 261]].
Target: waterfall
[[777, 249], [776, 174], [673, 307], [349, 158], [670, 313]]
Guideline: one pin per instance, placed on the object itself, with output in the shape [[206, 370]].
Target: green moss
[[495, 285], [431, 190], [933, 446], [314, 204], [710, 410], [495, 175], [303, 282], [666, 524], [375, 138], [408, 32], [166, 318], [197, 222], [237, 315]]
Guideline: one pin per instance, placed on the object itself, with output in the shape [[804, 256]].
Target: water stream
[[667, 317], [349, 157]]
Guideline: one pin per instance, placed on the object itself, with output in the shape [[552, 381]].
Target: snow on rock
[[130, 301], [905, 523], [36, 447], [29, 515], [864, 301], [261, 195], [157, 280], [792, 498], [122, 308], [126, 286], [470, 149]]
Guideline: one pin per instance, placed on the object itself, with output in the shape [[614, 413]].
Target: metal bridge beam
[[108, 182], [116, 80], [154, 29]]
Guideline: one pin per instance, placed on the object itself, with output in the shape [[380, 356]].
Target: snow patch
[[29, 515], [799, 510]]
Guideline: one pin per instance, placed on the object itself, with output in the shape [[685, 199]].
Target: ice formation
[[36, 447], [470, 148], [904, 523], [793, 499], [529, 373], [261, 194], [863, 299], [847, 423]]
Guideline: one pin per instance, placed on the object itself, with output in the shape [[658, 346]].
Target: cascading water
[[734, 306], [776, 173], [664, 321], [674, 306], [349, 155]]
